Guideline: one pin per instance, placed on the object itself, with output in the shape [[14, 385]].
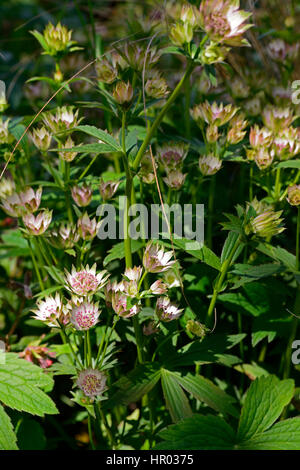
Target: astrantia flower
[[56, 39], [276, 118], [133, 274], [223, 22], [41, 138], [86, 281], [87, 227], [175, 179], [166, 310], [108, 189], [294, 195], [51, 311], [92, 382], [171, 279], [123, 92], [216, 114], [106, 73], [20, 203], [65, 236], [172, 155], [267, 224], [39, 355], [63, 120], [209, 165], [36, 225], [67, 156], [82, 195], [158, 287], [155, 259], [7, 187], [263, 157], [85, 315], [260, 137], [156, 87], [122, 303], [196, 328], [146, 172], [181, 33], [286, 143]]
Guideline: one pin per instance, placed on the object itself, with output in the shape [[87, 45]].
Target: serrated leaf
[[207, 392], [198, 433], [284, 435], [265, 400], [88, 148], [204, 254], [19, 386], [176, 400], [8, 439]]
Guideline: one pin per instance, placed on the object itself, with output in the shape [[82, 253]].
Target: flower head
[[106, 73], [18, 204], [123, 92], [166, 310], [267, 224], [36, 225], [7, 187], [82, 195], [55, 39], [62, 121], [223, 22], [155, 259], [175, 179], [65, 236], [209, 165], [172, 155], [92, 382], [108, 189], [87, 227], [51, 311], [260, 137], [263, 157], [294, 195], [276, 118], [85, 315], [41, 138], [215, 114], [86, 281], [70, 155], [122, 303]]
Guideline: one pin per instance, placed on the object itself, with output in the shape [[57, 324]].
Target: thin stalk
[[277, 185], [38, 274], [161, 115], [226, 265], [251, 182], [211, 199], [91, 432]]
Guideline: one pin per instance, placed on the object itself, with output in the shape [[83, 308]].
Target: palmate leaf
[[8, 439], [284, 435], [204, 254], [176, 400], [118, 251], [198, 433], [206, 391], [88, 148], [20, 386], [248, 273], [264, 403]]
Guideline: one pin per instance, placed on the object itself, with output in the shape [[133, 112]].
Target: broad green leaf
[[176, 400], [118, 251], [248, 273], [204, 254], [279, 254], [31, 435], [100, 135], [289, 164], [19, 386], [265, 400], [254, 299], [211, 349], [135, 384], [253, 371], [207, 392], [284, 435], [8, 439], [198, 433]]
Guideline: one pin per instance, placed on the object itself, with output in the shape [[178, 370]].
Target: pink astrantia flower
[[175, 179], [276, 118], [133, 274], [158, 287], [172, 155], [36, 225], [213, 114], [166, 310], [92, 382], [84, 315], [51, 311], [121, 303], [65, 236], [260, 137], [87, 227], [108, 189], [224, 22], [209, 165], [82, 195], [18, 204], [155, 259], [86, 281]]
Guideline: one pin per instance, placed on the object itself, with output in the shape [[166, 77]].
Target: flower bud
[[294, 195], [123, 93], [209, 165], [212, 133], [87, 227], [82, 195], [181, 33], [108, 189], [36, 225], [41, 138], [106, 73], [196, 328]]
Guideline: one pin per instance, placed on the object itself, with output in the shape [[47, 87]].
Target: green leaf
[[20, 383], [289, 164], [204, 254], [211, 349], [265, 400], [207, 392], [101, 135], [198, 433], [279, 254], [284, 435], [248, 273], [31, 435], [88, 148], [135, 384], [118, 251], [176, 400], [253, 371], [8, 439]]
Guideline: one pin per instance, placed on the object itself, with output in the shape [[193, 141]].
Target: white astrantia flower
[[85, 281], [51, 311], [36, 225], [85, 315], [155, 259], [92, 382], [166, 310]]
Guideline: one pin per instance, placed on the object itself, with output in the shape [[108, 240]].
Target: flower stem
[[226, 265], [161, 115], [38, 274]]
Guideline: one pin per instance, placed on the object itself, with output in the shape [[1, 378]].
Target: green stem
[[251, 182], [90, 432], [297, 239], [226, 265], [211, 198], [277, 186], [161, 115], [38, 274]]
